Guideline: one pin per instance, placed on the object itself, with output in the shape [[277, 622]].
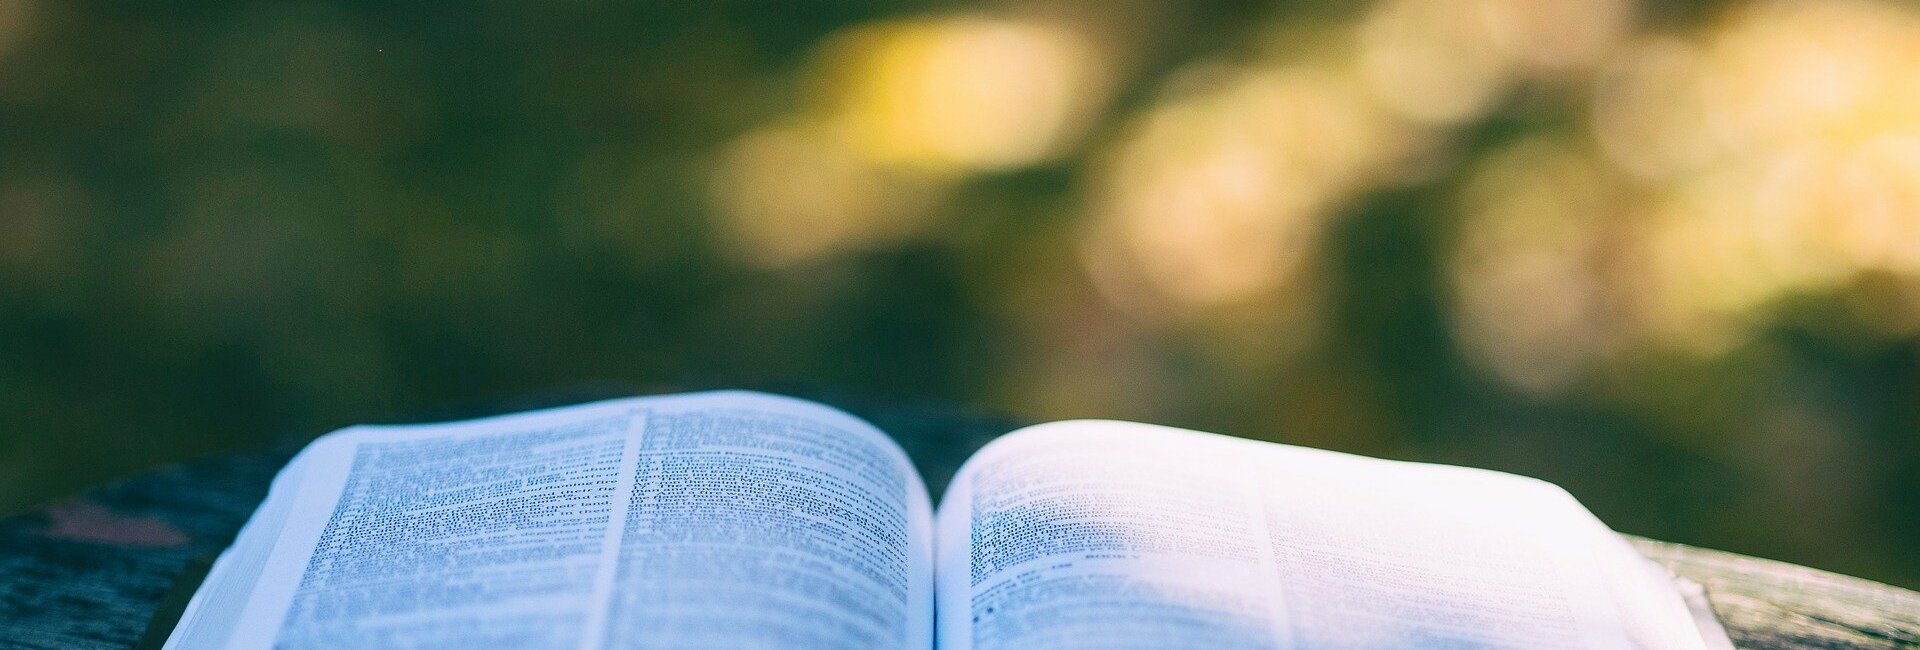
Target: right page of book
[[1099, 534]]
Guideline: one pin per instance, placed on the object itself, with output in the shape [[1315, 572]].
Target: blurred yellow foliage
[[961, 93], [1773, 149], [899, 111]]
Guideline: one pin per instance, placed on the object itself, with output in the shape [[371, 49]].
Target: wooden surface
[[1768, 604], [91, 571]]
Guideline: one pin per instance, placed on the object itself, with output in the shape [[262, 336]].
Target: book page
[[1092, 534], [755, 528], [725, 519]]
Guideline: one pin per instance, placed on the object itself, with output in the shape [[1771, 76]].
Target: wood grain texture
[[91, 571], [1775, 605]]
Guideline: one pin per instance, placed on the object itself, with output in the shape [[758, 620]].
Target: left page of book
[[722, 519]]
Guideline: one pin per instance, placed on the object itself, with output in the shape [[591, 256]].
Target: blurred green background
[[1664, 254]]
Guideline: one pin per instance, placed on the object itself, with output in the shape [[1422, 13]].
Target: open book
[[745, 520]]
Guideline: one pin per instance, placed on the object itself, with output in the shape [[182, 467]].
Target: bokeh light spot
[[1432, 60], [1528, 301], [962, 93], [792, 193]]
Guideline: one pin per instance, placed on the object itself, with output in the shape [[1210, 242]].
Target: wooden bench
[[93, 571]]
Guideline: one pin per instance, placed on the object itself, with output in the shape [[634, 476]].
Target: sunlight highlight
[[1554, 37], [1775, 154], [1786, 155], [1802, 73], [1529, 304], [1650, 112], [898, 113], [1433, 61], [1448, 61], [968, 93], [792, 193], [1218, 198]]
